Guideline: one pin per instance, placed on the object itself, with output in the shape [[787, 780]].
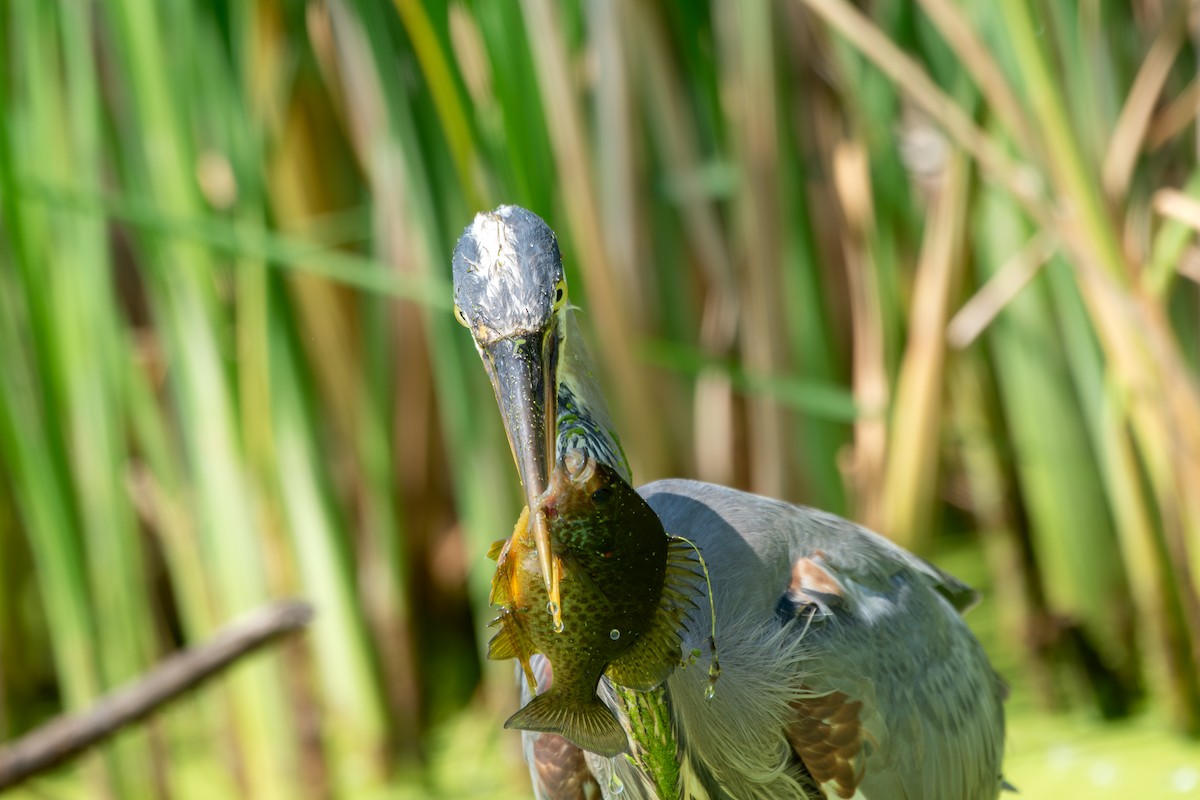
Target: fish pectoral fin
[[648, 662], [512, 641], [507, 641], [659, 649], [590, 724]]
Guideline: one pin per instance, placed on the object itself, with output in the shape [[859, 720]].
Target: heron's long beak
[[523, 374]]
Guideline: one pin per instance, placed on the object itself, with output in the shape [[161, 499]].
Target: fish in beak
[[522, 371]]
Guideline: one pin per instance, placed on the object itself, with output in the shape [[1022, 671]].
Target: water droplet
[[710, 692], [614, 634], [615, 784], [552, 608], [558, 625]]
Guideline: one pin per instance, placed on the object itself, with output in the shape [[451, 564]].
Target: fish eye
[[461, 317], [601, 497]]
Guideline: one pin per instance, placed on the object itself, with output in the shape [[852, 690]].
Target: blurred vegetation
[[929, 265]]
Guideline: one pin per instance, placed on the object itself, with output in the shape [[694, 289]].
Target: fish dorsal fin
[[658, 650]]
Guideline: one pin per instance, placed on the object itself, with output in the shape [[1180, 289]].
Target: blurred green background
[[930, 265]]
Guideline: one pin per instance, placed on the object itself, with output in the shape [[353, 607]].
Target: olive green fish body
[[619, 611]]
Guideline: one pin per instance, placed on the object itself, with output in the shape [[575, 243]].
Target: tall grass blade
[[1071, 531], [913, 448]]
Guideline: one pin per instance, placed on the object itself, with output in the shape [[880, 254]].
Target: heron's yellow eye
[[461, 317], [560, 294]]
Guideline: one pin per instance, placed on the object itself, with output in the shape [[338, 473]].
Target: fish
[[626, 590]]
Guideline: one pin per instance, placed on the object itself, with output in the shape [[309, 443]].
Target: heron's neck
[[583, 420]]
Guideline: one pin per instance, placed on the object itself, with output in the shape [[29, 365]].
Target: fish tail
[[588, 724]]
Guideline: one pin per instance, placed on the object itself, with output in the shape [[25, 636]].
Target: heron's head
[[509, 291]]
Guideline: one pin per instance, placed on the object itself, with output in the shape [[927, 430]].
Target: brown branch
[[69, 735]]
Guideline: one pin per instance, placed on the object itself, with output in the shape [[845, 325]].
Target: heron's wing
[[907, 705], [850, 645], [942, 737], [863, 742], [960, 595]]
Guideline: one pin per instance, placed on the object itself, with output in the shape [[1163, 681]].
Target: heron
[[847, 670]]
